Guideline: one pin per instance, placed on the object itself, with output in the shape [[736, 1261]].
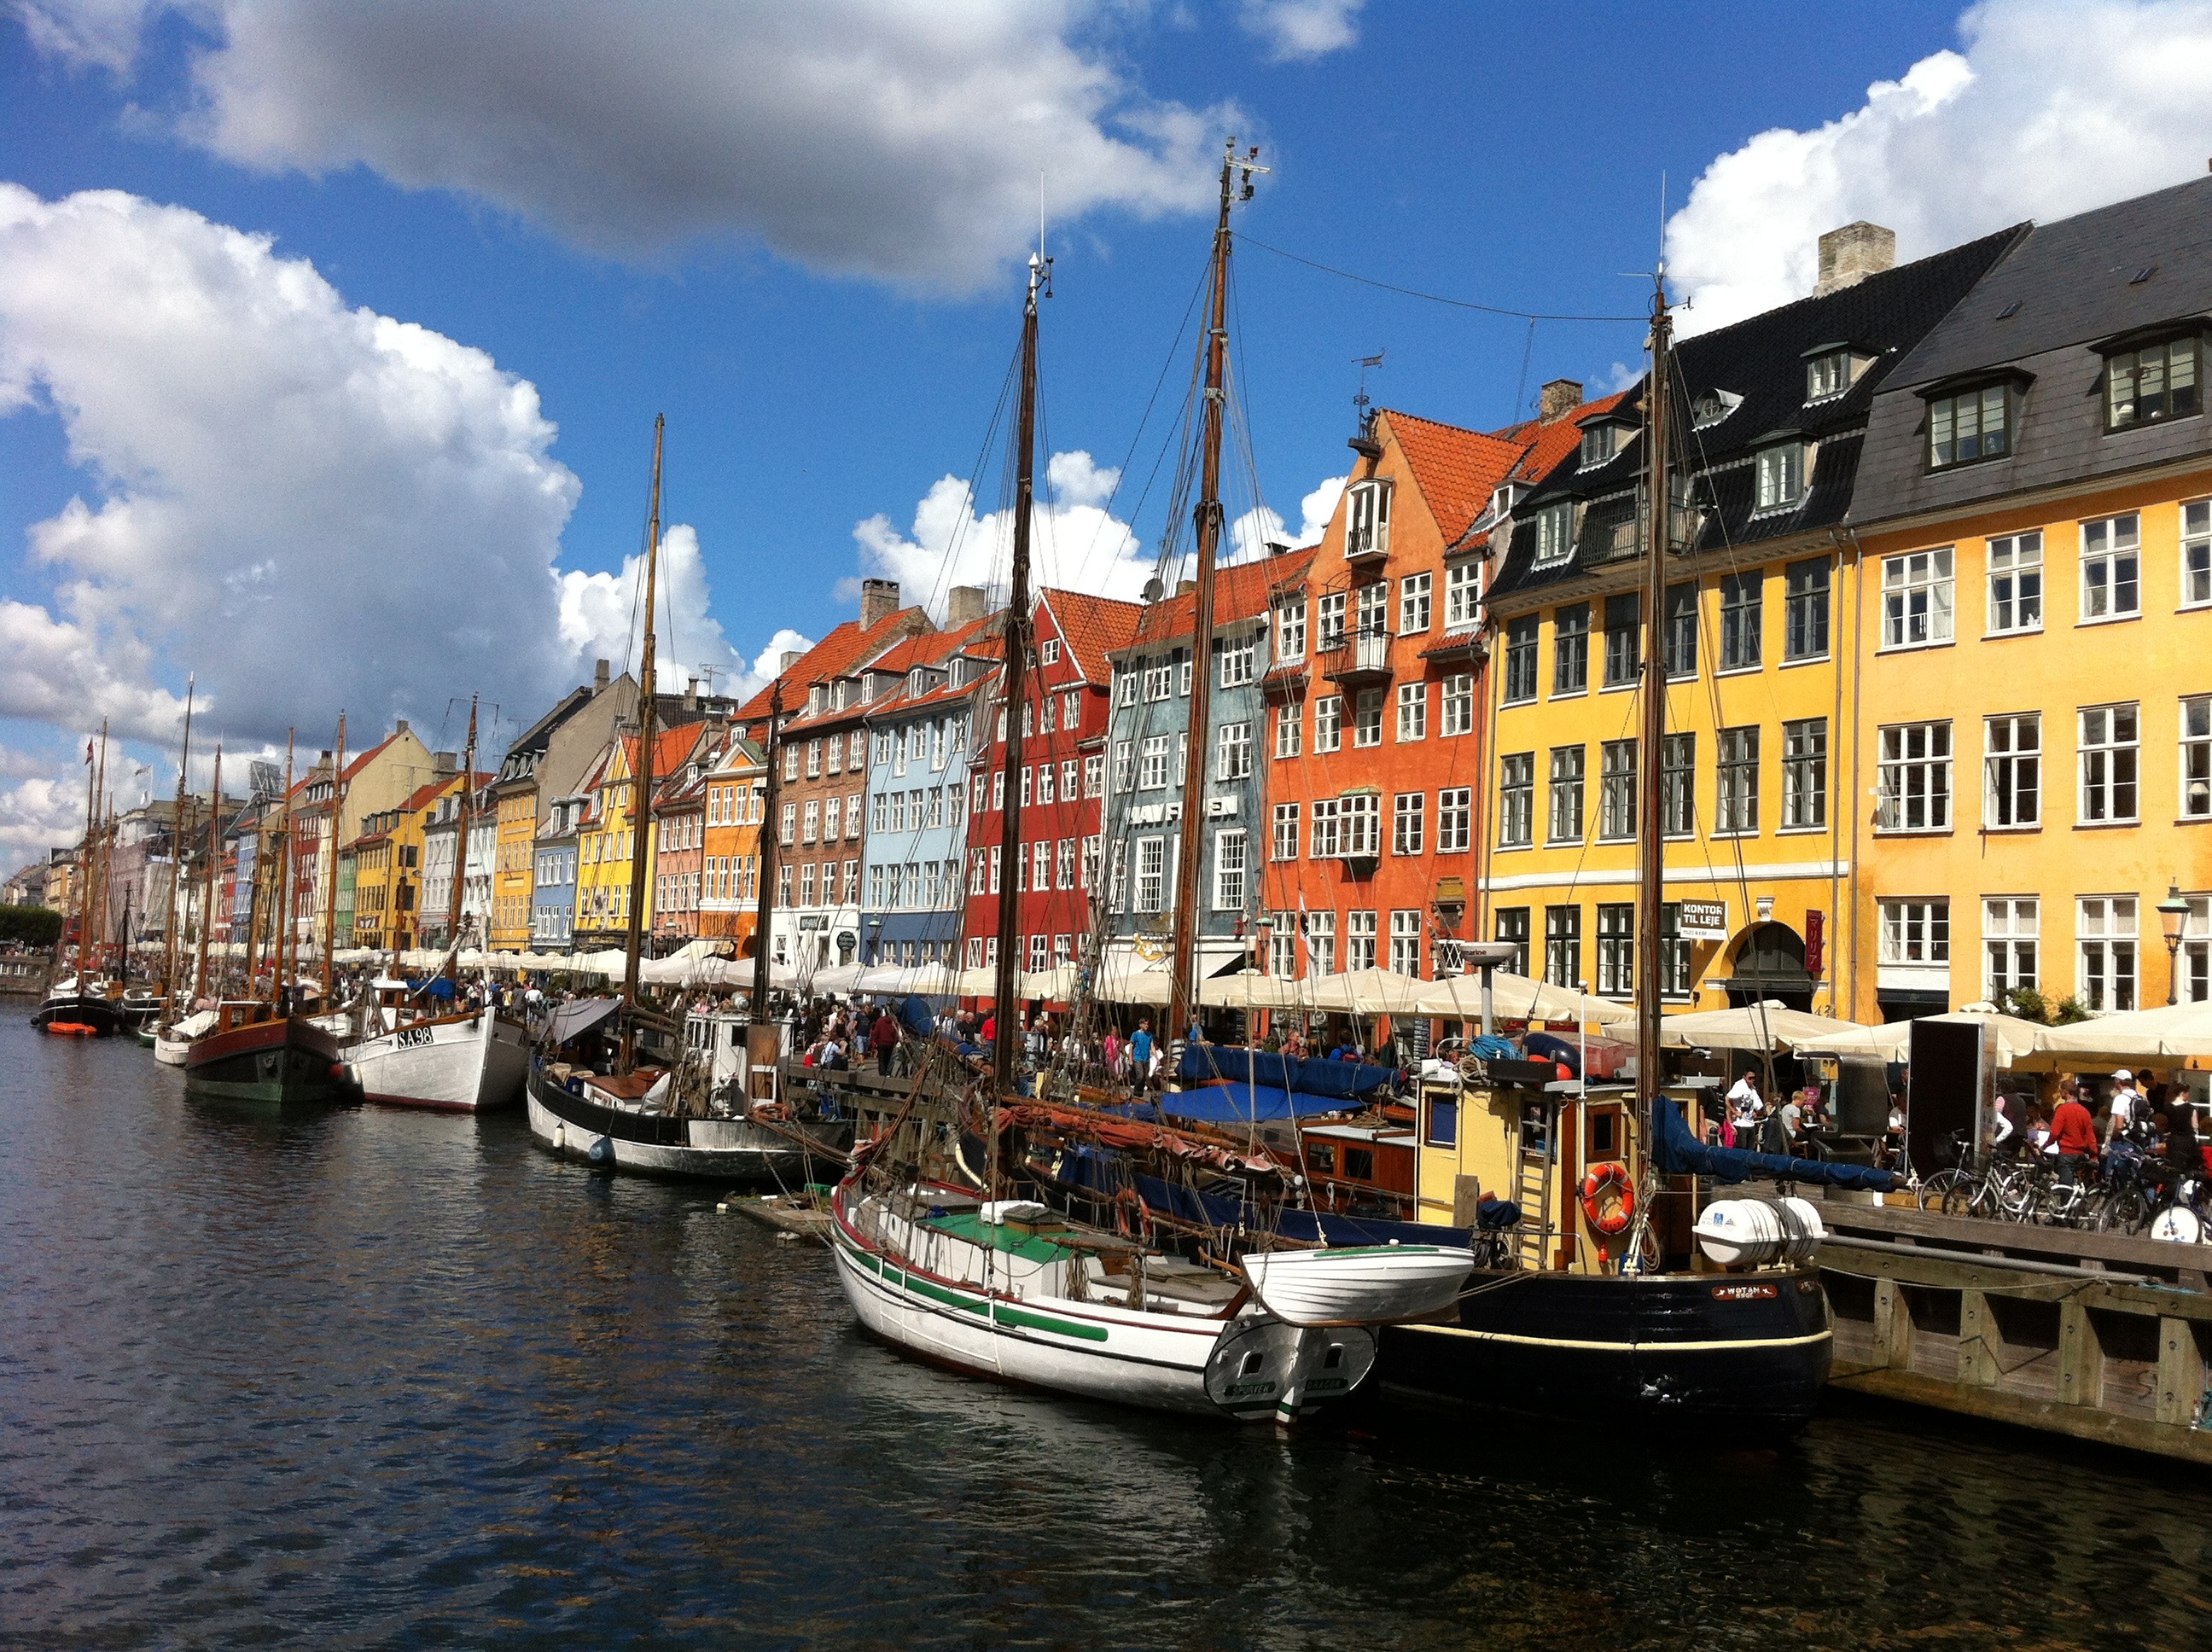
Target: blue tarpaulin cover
[[1235, 1104], [1677, 1152], [1104, 1174], [1341, 1079]]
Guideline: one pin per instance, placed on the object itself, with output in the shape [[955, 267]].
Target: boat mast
[[176, 868], [1017, 636], [215, 854], [331, 870], [640, 811], [1650, 846], [96, 889], [461, 847], [1180, 995], [763, 848], [283, 951]]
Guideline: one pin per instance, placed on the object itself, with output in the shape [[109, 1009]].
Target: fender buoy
[[1133, 1218], [768, 1112], [1609, 1217]]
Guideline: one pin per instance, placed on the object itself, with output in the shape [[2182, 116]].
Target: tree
[[30, 925]]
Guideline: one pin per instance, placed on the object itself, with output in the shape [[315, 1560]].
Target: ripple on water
[[373, 1378]]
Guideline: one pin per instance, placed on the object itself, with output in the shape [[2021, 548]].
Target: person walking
[[884, 1038], [1140, 1055]]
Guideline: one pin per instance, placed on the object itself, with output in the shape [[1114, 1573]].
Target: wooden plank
[[2081, 1361], [1996, 1405], [1953, 1271], [2180, 1372], [1467, 1191], [1977, 1339], [2190, 1263], [1893, 1327]]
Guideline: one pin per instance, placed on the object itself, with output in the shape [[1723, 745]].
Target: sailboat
[[1556, 1329], [81, 1005], [615, 1085], [940, 1256], [408, 1054]]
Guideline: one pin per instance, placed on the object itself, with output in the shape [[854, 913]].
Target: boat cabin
[[1361, 1169], [741, 1057]]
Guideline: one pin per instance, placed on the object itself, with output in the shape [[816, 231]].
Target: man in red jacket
[[2073, 1132], [885, 1037]]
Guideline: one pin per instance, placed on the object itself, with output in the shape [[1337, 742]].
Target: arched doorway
[[1767, 961]]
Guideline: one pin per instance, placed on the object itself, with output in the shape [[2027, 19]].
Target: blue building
[[553, 889]]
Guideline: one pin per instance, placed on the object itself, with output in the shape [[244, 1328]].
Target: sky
[[331, 336]]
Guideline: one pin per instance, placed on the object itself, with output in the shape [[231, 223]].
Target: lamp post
[[875, 940], [2173, 912]]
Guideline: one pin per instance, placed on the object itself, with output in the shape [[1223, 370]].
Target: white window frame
[[1463, 595], [1516, 801], [1359, 938], [1914, 777], [1781, 477], [2112, 568], [1915, 931], [2108, 952], [2012, 940], [1367, 718], [2015, 584], [1283, 843], [2196, 754], [1231, 869], [2109, 741], [1409, 823], [1289, 631], [1328, 723], [1416, 598], [1555, 534], [1232, 751], [1454, 819], [1406, 942], [2012, 772], [1367, 519], [1918, 599], [2196, 553], [1289, 729], [1566, 778], [1458, 704], [1413, 711]]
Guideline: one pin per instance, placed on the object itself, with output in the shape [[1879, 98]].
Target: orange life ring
[[768, 1112], [1614, 1176], [1133, 1218]]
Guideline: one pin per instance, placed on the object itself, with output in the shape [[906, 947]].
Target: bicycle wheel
[[1938, 1189], [2126, 1211], [1959, 1197]]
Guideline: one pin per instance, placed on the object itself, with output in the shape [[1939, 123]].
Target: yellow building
[[1751, 634], [514, 845], [607, 836], [2034, 579], [387, 890]]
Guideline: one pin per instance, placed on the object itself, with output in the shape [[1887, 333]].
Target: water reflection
[[377, 1378]]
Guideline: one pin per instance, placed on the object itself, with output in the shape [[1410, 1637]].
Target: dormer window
[[2153, 382], [917, 681], [818, 699], [1967, 425], [956, 672], [1555, 533], [1831, 369], [1781, 476], [1599, 443], [1367, 520], [1712, 406]]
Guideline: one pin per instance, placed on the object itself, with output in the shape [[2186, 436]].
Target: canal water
[[374, 1378]]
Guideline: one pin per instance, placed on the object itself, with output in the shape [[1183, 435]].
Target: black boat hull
[[290, 1062], [729, 1151], [1733, 1353], [103, 1014]]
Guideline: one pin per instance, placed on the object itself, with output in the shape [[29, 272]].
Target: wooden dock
[[2097, 1336]]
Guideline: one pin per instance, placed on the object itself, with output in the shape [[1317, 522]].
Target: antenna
[[1364, 362]]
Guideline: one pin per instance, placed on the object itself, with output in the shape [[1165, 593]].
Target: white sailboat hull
[[170, 1051], [1359, 1285], [462, 1065], [707, 1150]]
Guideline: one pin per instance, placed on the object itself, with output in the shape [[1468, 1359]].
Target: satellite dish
[[1152, 588]]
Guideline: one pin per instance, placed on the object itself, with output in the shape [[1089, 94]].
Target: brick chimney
[[966, 604], [880, 601], [786, 659], [399, 726], [1558, 398], [1850, 255], [598, 674]]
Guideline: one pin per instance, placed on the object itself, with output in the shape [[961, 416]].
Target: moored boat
[[78, 1008], [252, 1055], [461, 1061], [173, 1041]]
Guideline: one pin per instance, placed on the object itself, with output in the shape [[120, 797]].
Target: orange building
[[736, 785]]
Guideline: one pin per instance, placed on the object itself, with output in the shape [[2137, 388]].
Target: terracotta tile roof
[[423, 796], [841, 651], [1241, 590], [1544, 445], [1092, 626], [1456, 469], [355, 765]]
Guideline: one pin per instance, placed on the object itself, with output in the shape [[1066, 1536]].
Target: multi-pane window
[[1805, 773], [1567, 813], [1616, 949], [1152, 763], [2012, 771], [1284, 844], [2196, 553], [1232, 755], [1571, 649], [1367, 718], [2010, 927], [1827, 374], [1405, 942], [1229, 869], [2105, 951], [1736, 777], [1563, 946], [1914, 778], [1616, 790], [1680, 632], [1320, 943], [1678, 764], [1974, 424], [2016, 582], [1094, 778], [1329, 722], [1624, 655], [2110, 750], [1516, 798], [1240, 660], [1512, 928], [1781, 476], [1289, 729], [1331, 611], [1408, 817], [1555, 533], [1152, 874], [1521, 659], [1915, 932], [1415, 593], [1289, 632], [1373, 616], [2193, 982], [1674, 953], [2197, 757], [1125, 759], [1454, 819], [1412, 711], [1805, 610], [1742, 613], [1459, 703], [1367, 520], [1359, 823], [1359, 936], [1916, 599], [1328, 841], [2158, 381], [1462, 594], [1283, 945], [2112, 567]]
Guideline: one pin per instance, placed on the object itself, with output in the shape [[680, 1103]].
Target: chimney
[[446, 762], [690, 694], [786, 659], [598, 674], [398, 726], [880, 601], [1558, 398], [966, 604], [1850, 255]]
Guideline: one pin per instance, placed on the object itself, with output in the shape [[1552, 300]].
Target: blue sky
[[818, 369]]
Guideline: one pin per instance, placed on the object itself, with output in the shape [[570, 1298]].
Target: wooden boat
[[173, 1041], [252, 1054], [461, 1061], [81, 1009]]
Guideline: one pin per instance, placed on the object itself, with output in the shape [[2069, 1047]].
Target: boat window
[[1444, 1123], [1359, 1164], [1321, 1158]]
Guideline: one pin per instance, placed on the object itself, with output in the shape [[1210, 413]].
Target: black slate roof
[[1762, 361]]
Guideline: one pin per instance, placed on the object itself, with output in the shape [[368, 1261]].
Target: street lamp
[[2171, 912], [875, 940]]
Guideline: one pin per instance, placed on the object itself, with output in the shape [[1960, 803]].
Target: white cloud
[[1293, 30], [2052, 107], [36, 815], [599, 617], [886, 139], [1075, 543], [1250, 534]]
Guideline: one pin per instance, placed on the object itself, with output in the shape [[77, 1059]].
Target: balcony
[[1363, 540], [1356, 658]]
